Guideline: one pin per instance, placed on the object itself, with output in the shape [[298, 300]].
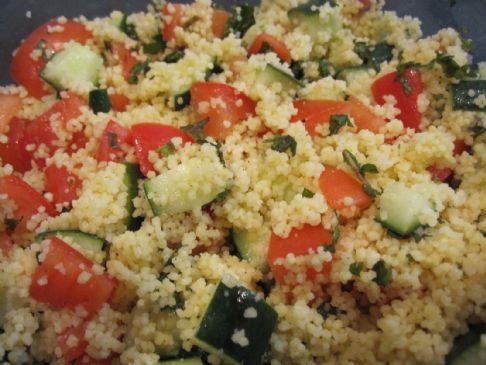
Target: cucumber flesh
[[312, 23], [475, 354], [271, 75], [253, 246], [188, 361], [74, 64], [169, 319], [401, 207], [132, 175], [86, 241]]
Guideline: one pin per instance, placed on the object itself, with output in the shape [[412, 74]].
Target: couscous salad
[[295, 183]]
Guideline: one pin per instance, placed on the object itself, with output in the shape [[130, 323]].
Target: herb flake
[[452, 69], [128, 28], [360, 171], [326, 309], [174, 57], [384, 275], [356, 267], [196, 130], [157, 45], [283, 143], [306, 193], [167, 149], [337, 121], [241, 19], [11, 223]]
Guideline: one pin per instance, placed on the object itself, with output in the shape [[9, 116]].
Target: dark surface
[[14, 25]]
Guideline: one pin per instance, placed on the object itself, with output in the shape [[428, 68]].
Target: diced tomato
[[125, 58], [88, 360], [298, 243], [223, 105], [63, 185], [6, 243], [364, 117], [442, 174], [219, 20], [27, 200], [25, 68], [324, 116], [277, 46], [151, 136], [306, 108], [459, 147], [77, 142], [119, 102], [113, 137], [65, 279], [9, 106], [72, 342], [407, 104], [14, 151], [337, 185], [172, 18]]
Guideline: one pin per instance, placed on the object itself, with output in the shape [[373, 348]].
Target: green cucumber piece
[[169, 318], [401, 207], [253, 246], [475, 354], [236, 326], [86, 241], [174, 57], [467, 93], [132, 175], [345, 73], [99, 101], [75, 63], [188, 361], [271, 75]]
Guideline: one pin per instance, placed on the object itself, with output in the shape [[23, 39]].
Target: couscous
[[299, 183]]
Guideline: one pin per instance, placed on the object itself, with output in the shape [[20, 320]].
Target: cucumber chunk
[[253, 246], [74, 64], [401, 207], [132, 175], [475, 354], [271, 75], [86, 241], [236, 326], [467, 95], [188, 361]]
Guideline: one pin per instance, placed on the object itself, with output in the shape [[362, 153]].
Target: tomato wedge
[[65, 279], [14, 152], [9, 106], [63, 185], [337, 186], [72, 342], [298, 243], [27, 200], [151, 136], [112, 138], [407, 103], [277, 46], [172, 18], [6, 243], [25, 68], [119, 102], [223, 105], [442, 174], [219, 20], [124, 58]]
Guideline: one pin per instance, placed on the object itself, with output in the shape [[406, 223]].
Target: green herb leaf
[[11, 223], [469, 94], [337, 121], [324, 68], [128, 28], [222, 196], [371, 191], [374, 56], [196, 130], [467, 44], [326, 310], [41, 45], [384, 275], [190, 21], [174, 56], [297, 68], [113, 140], [351, 160], [356, 267], [419, 233], [217, 69], [410, 258], [137, 70], [99, 101], [307, 193], [158, 45], [477, 128], [241, 19], [368, 168], [167, 149], [402, 76], [452, 69], [283, 143], [182, 100]]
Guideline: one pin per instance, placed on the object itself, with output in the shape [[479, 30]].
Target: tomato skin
[[119, 102], [235, 107], [298, 243], [364, 117], [9, 106], [219, 20], [172, 17], [442, 174], [324, 116], [459, 147], [14, 151], [151, 136], [306, 108], [71, 353], [277, 46], [60, 287], [124, 57], [6, 244], [26, 198], [407, 104], [63, 185], [109, 151], [25, 70], [336, 185]]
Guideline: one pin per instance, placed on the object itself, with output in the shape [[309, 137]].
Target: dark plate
[[467, 16]]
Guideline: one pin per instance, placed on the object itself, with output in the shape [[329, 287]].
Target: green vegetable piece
[[477, 128], [241, 19], [99, 101], [11, 223], [452, 69], [128, 28], [174, 57], [158, 45], [167, 149], [311, 6], [324, 68], [337, 121], [351, 160], [326, 310], [283, 143], [384, 275], [368, 168], [356, 267], [307, 193], [469, 95], [374, 56], [182, 100], [196, 130], [137, 70], [297, 68]]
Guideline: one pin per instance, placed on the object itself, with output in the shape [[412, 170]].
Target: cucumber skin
[[75, 235], [271, 74], [132, 175], [244, 246]]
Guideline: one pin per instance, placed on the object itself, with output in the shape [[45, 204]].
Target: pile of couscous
[[299, 183]]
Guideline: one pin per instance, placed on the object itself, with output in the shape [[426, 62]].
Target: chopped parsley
[[128, 28], [336, 234], [283, 143], [410, 258], [324, 68], [167, 149], [174, 57], [384, 275], [137, 70], [326, 309], [368, 168], [297, 68], [157, 45], [360, 171], [241, 19], [41, 45], [11, 223], [477, 128], [356, 267], [452, 69], [196, 130], [222, 196], [306, 193], [374, 56], [113, 140], [466, 44], [182, 100], [99, 101], [337, 121]]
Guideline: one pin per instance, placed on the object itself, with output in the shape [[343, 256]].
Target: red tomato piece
[[112, 138], [441, 174], [25, 69], [124, 57], [223, 105], [9, 106], [389, 85], [65, 279], [306, 108], [27, 200], [277, 46], [364, 117], [72, 342], [172, 18], [219, 20], [119, 102], [336, 185], [63, 185], [14, 152], [151, 136], [324, 116], [298, 243], [6, 243], [459, 147]]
